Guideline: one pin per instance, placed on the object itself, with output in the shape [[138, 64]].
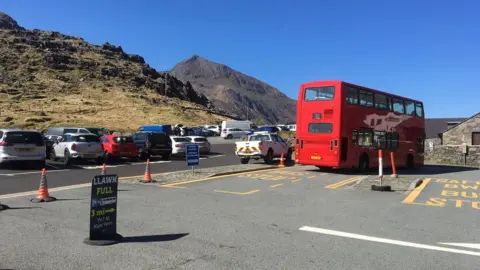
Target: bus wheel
[[364, 164], [409, 163]]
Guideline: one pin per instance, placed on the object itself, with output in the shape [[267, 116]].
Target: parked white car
[[230, 133], [215, 129], [204, 145], [179, 145], [264, 146], [22, 146], [78, 146]]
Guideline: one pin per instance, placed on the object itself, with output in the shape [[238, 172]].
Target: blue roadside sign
[[193, 155]]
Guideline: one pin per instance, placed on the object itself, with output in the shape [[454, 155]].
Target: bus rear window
[[320, 127], [319, 93]]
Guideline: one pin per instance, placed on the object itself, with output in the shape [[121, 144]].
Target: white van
[[292, 127], [243, 125]]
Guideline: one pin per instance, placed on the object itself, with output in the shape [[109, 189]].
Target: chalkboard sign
[[103, 210]]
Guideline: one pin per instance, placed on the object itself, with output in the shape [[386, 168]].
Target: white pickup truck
[[266, 146]]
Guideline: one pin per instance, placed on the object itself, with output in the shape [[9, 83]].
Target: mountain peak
[[7, 22], [235, 92], [195, 58]]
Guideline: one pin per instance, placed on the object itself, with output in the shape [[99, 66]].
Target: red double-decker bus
[[342, 125]]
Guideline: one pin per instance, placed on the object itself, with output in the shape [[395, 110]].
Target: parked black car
[[153, 144], [49, 146]]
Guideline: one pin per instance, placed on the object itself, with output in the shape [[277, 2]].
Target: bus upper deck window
[[319, 93]]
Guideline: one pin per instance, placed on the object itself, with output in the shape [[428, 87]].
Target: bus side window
[[354, 137], [398, 105], [388, 140], [365, 138], [352, 95], [395, 141], [410, 107], [419, 109], [379, 139], [366, 98]]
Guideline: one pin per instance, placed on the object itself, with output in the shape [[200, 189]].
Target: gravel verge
[[401, 184], [187, 175]]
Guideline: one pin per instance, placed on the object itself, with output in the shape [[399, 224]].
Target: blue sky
[[426, 50]]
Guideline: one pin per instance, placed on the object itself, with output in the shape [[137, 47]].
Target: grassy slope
[[37, 96]]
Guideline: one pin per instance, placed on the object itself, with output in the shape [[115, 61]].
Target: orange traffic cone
[[281, 161], [43, 195], [104, 169], [147, 178]]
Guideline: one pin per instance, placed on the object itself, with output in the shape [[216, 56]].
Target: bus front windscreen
[[319, 93]]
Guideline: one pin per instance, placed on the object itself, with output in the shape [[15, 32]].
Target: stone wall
[[452, 155], [431, 143], [462, 133]]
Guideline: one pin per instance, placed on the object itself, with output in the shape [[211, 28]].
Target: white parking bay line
[[39, 172], [216, 156], [34, 192], [386, 241], [157, 162], [101, 166]]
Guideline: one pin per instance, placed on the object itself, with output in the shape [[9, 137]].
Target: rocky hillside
[[48, 78], [235, 92]]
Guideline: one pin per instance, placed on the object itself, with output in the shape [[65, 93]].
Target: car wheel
[[40, 164], [66, 158], [167, 156], [141, 154], [244, 160], [229, 136], [289, 155], [52, 156], [101, 160], [269, 157]]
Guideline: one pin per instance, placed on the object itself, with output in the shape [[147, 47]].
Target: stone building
[[465, 132], [459, 144]]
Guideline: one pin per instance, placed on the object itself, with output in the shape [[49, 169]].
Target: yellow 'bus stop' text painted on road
[[454, 192]]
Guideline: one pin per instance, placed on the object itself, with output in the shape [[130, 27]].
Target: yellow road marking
[[277, 185], [238, 193], [310, 177], [343, 183], [296, 180], [212, 178], [172, 187], [34, 192], [416, 192]]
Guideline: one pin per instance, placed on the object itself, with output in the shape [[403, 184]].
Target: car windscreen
[[261, 138], [24, 137], [200, 140], [86, 138], [123, 139], [181, 140], [161, 138], [98, 131]]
